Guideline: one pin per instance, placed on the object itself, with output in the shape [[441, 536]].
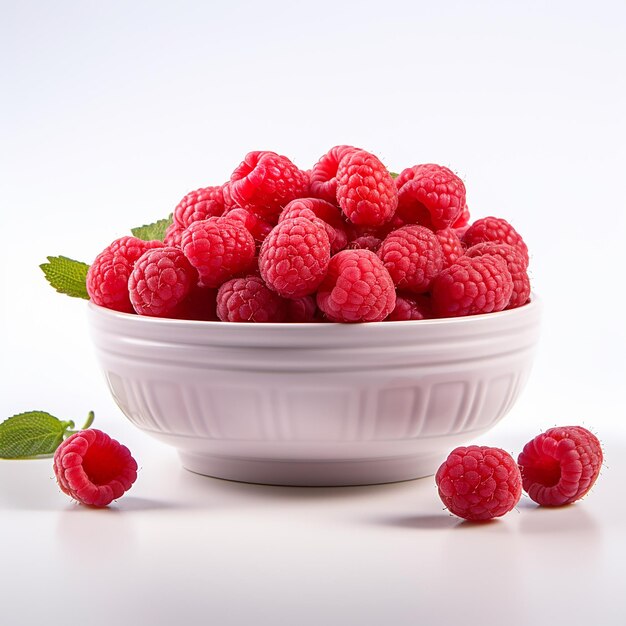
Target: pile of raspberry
[[346, 241]]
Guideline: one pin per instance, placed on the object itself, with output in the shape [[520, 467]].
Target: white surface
[[181, 548], [112, 111], [316, 404]]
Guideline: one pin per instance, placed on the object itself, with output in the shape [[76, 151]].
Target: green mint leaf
[[30, 434], [152, 232], [394, 175], [67, 276]]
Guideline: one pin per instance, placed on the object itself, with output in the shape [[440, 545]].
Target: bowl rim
[[534, 304]]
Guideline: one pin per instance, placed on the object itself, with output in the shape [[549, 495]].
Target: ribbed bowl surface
[[316, 404]]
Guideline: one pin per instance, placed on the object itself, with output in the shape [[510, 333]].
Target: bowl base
[[312, 473]]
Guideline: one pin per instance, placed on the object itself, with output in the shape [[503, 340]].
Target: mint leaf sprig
[[35, 434], [69, 277], [154, 231]]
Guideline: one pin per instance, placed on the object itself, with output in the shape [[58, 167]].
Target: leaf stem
[[87, 424]]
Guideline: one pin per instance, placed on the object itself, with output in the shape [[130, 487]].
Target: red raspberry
[[301, 310], [265, 182], [357, 288], [497, 230], [365, 242], [325, 211], [479, 483], [472, 286], [174, 235], [256, 226], [366, 192], [412, 256], [463, 220], [218, 248], [515, 264], [94, 469], [294, 257], [451, 246], [199, 205], [249, 300], [107, 278], [229, 201], [160, 281], [411, 307], [431, 195], [561, 465], [323, 178]]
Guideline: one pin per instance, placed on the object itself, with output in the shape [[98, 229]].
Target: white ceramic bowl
[[316, 404]]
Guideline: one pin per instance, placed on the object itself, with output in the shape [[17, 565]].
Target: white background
[[112, 111]]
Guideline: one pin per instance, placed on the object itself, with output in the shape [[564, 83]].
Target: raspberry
[[357, 288], [107, 278], [451, 246], [249, 300], [479, 483], [413, 257], [561, 465], [218, 248], [411, 307], [365, 242], [199, 205], [497, 230], [325, 211], [94, 469], [463, 220], [160, 281], [515, 264], [294, 257], [472, 286], [431, 195], [174, 235], [301, 310], [229, 201], [256, 226], [323, 178], [265, 182], [366, 192]]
